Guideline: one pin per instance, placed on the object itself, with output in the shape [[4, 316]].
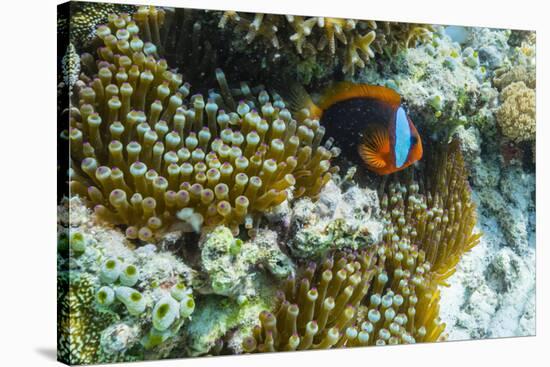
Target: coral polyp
[[147, 154]]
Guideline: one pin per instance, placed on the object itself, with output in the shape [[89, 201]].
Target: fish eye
[[414, 140]]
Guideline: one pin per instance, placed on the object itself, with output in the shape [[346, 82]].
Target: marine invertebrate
[[383, 295], [109, 294], [340, 219], [427, 230], [352, 43], [516, 116], [70, 65], [85, 17], [505, 76], [314, 311], [438, 214], [220, 322], [146, 156], [79, 323]]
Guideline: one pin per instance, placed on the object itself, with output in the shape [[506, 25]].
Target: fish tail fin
[[297, 99]]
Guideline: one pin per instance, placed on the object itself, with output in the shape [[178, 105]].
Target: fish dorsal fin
[[342, 91], [374, 149], [297, 98]]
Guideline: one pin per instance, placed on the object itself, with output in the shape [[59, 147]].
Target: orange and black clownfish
[[366, 121]]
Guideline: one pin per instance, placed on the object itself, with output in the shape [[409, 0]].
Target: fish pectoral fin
[[375, 147]]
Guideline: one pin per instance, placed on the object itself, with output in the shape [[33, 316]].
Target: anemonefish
[[367, 122]]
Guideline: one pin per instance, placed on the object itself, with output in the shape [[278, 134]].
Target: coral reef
[[445, 86], [116, 303], [394, 297], [153, 261], [349, 219], [147, 157], [444, 215], [221, 323], [520, 73], [318, 44], [344, 304], [492, 291], [229, 261]]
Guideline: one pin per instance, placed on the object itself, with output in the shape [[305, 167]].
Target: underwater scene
[[233, 183]]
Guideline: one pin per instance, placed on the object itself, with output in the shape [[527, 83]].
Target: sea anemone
[[383, 295], [146, 154], [435, 212]]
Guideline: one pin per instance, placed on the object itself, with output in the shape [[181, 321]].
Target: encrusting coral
[[79, 324], [146, 156], [352, 42], [229, 261]]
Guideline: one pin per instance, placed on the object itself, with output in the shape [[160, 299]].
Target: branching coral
[[354, 42], [517, 114], [147, 156]]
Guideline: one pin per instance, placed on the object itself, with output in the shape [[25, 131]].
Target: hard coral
[[79, 323], [146, 156], [230, 263], [520, 73], [353, 42], [517, 114]]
